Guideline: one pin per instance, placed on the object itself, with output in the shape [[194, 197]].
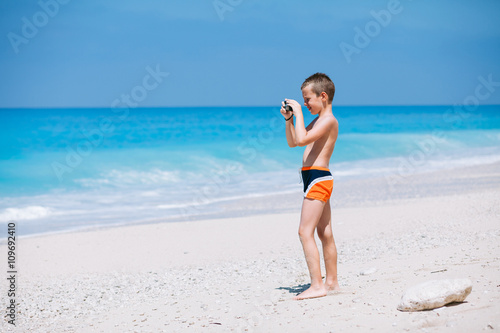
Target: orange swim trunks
[[318, 183]]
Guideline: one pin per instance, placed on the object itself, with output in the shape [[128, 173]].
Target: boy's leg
[[325, 234], [310, 216]]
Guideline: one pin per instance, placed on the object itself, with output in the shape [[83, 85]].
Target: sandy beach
[[240, 274]]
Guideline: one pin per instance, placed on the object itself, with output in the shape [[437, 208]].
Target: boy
[[319, 138]]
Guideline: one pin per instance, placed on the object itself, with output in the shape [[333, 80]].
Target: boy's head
[[316, 89]]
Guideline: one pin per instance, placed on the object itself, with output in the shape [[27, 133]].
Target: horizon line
[[225, 106]]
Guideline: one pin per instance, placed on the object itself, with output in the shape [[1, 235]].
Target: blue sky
[[252, 52]]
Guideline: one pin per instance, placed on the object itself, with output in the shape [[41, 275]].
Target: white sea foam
[[208, 201], [25, 213]]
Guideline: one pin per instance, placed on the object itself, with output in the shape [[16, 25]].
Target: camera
[[288, 108]]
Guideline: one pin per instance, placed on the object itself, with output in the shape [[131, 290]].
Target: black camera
[[288, 108]]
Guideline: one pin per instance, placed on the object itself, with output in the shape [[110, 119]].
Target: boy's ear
[[324, 96]]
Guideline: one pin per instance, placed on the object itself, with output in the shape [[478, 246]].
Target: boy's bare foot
[[332, 286], [311, 292]]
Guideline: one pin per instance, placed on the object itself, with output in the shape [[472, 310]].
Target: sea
[[68, 169]]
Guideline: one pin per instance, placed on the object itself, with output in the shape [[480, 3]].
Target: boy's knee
[[325, 235], [305, 233]]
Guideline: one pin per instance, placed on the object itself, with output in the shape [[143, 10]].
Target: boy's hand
[[295, 106]]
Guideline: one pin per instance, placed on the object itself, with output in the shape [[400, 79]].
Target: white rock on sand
[[434, 294]]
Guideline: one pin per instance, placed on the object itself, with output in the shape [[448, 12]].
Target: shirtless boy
[[319, 138]]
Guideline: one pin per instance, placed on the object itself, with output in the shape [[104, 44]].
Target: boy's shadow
[[296, 289]]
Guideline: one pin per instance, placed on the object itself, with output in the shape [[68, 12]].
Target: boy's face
[[311, 101]]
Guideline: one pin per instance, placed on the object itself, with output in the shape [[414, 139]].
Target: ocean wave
[[134, 195], [131, 177], [417, 161]]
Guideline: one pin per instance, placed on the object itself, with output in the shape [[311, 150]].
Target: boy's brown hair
[[320, 83]]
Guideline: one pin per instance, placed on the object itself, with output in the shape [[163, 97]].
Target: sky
[[157, 53]]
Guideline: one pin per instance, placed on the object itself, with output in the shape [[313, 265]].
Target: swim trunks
[[318, 183]]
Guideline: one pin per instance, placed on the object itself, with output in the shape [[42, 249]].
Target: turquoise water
[[65, 167]]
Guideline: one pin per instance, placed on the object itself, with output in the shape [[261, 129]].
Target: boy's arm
[[303, 137], [289, 128], [290, 134]]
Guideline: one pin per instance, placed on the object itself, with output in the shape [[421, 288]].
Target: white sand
[[240, 274]]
